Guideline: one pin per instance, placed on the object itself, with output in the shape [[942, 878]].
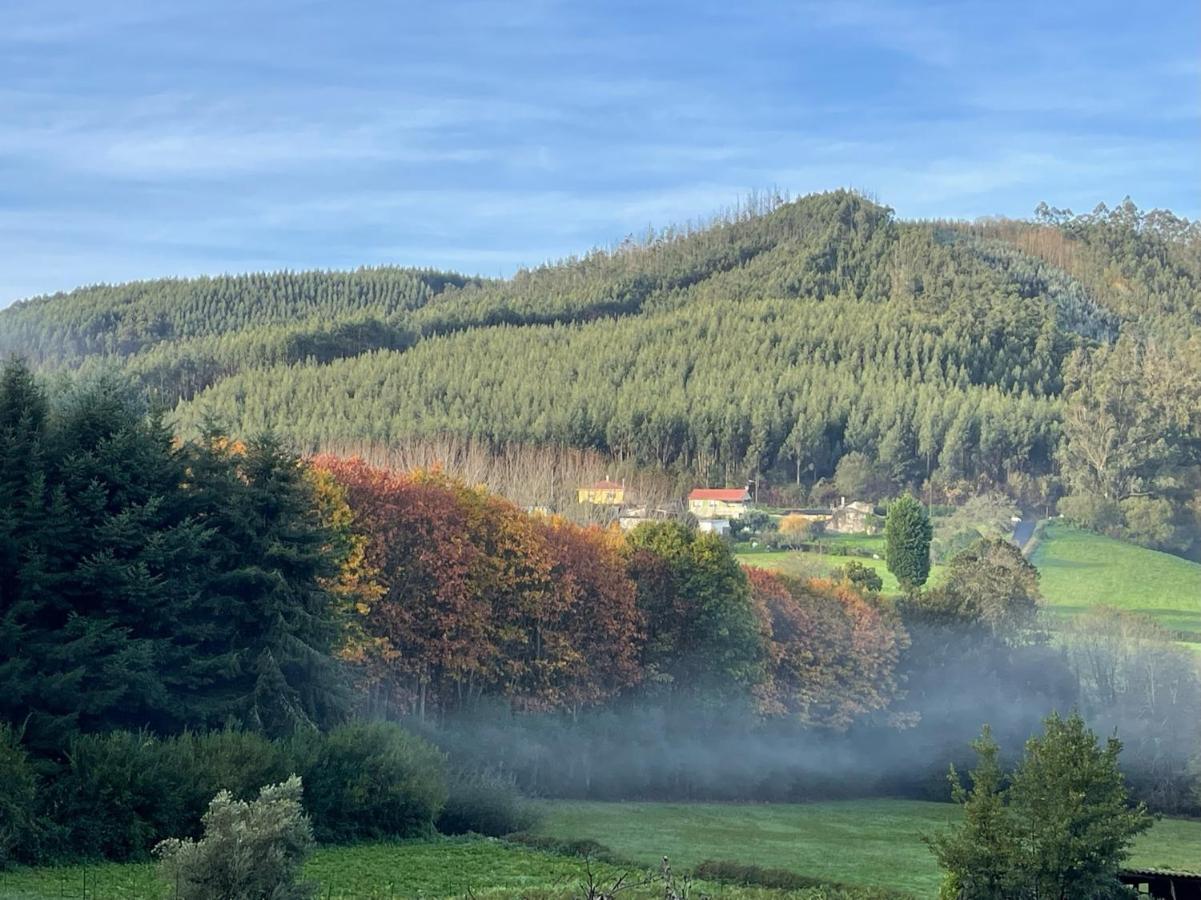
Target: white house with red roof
[[719, 503]]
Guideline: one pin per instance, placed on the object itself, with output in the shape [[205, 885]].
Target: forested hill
[[778, 338]]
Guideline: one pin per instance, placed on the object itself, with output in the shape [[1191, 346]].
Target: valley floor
[[866, 842]]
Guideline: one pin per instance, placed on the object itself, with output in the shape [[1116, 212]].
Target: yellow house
[[719, 503], [602, 493]]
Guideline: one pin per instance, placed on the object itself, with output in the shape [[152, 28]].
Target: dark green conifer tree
[[907, 534]]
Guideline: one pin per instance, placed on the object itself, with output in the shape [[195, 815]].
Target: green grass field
[[871, 542], [818, 565], [873, 843], [1080, 569], [867, 842], [442, 868]]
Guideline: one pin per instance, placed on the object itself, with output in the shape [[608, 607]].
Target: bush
[[783, 880], [117, 794], [585, 848], [240, 762], [485, 803], [863, 577], [370, 780], [250, 850], [1149, 521], [727, 872], [18, 801], [795, 529], [1092, 512]]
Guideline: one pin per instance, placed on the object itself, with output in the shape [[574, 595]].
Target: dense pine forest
[[1058, 358]]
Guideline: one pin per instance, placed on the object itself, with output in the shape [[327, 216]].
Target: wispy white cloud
[[145, 139]]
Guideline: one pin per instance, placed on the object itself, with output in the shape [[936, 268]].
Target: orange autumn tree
[[832, 654], [432, 624], [481, 598], [599, 622]]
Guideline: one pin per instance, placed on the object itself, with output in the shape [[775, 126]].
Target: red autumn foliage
[[832, 654], [433, 621], [599, 614], [480, 597]]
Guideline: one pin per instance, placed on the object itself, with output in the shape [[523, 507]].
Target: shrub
[[250, 850], [795, 529], [240, 762], [1092, 512], [1150, 521], [863, 577], [485, 803], [117, 794], [585, 848], [370, 780], [726, 872], [18, 801]]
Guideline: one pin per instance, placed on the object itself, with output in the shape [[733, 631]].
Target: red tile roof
[[729, 495]]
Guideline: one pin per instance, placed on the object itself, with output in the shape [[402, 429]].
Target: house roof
[[605, 486], [729, 495]]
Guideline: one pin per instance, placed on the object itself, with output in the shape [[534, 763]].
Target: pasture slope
[[1080, 569]]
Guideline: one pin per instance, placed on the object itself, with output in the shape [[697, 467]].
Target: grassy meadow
[[473, 867], [865, 842], [1080, 569], [808, 564], [868, 843], [440, 868]]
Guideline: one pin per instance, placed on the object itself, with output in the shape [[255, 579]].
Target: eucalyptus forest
[[771, 341]]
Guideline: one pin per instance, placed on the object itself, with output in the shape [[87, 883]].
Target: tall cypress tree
[[907, 535]]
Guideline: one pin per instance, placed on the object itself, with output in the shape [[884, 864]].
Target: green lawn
[[810, 565], [475, 867], [1080, 569], [871, 542], [867, 842]]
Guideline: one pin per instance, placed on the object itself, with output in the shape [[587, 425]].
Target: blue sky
[[143, 139]]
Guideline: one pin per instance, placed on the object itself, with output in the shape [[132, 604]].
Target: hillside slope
[[1079, 570], [780, 337]]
